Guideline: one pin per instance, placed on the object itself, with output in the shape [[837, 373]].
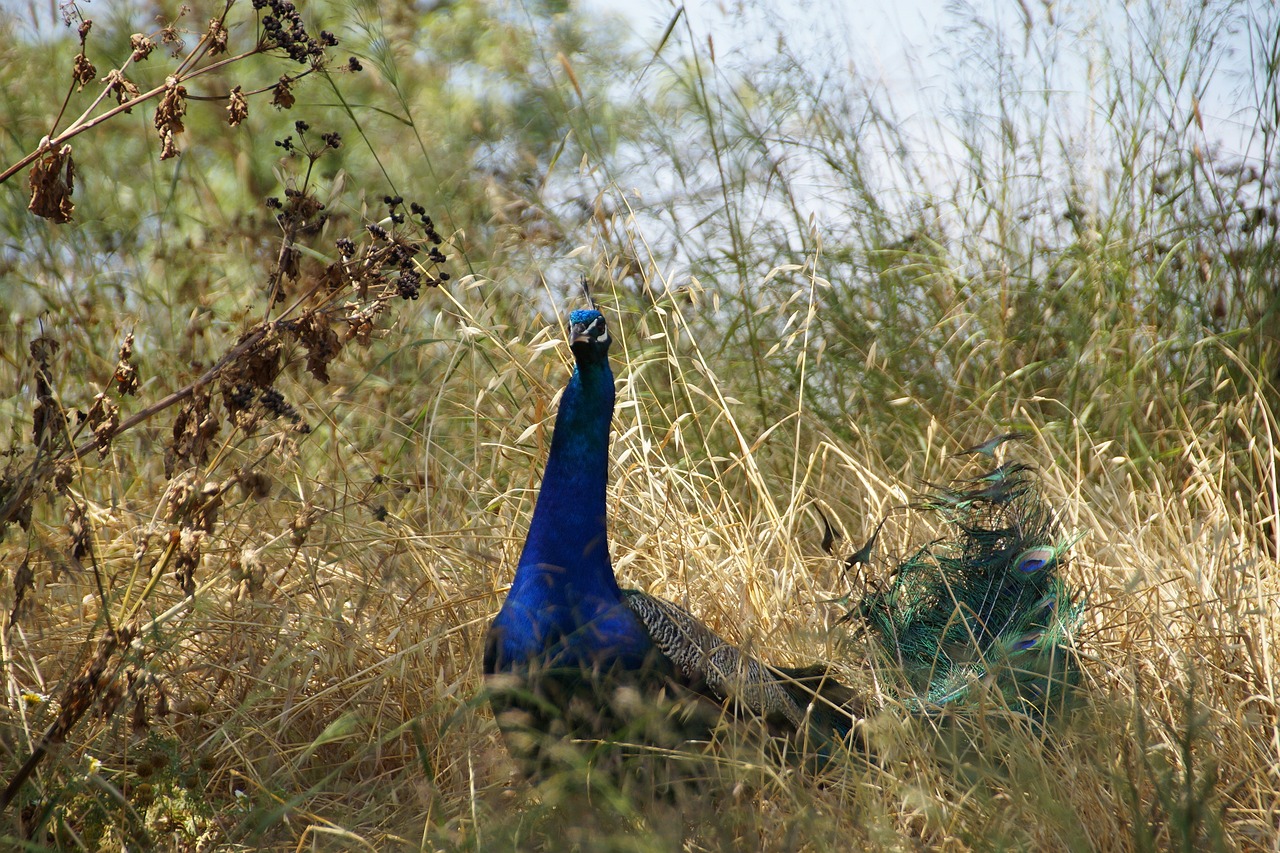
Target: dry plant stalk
[[280, 30], [318, 308]]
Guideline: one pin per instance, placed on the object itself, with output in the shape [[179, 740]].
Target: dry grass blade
[[266, 467]]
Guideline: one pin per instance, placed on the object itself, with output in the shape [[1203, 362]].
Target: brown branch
[[74, 130], [184, 392], [76, 700]]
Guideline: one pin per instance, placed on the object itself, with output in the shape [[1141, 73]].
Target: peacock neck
[[567, 536]]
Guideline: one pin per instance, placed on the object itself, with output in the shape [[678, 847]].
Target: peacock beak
[[593, 332]]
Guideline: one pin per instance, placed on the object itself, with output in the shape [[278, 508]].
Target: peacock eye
[[1027, 641], [1034, 559]]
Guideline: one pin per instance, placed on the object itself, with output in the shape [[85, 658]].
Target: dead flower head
[[237, 108], [281, 95], [52, 180], [173, 106]]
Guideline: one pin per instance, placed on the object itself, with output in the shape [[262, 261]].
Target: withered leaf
[[281, 95], [168, 120], [237, 107], [52, 180]]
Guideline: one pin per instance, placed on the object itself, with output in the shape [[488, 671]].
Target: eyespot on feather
[[1026, 641], [1035, 559]]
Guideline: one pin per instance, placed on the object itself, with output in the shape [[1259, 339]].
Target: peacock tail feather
[[984, 604]]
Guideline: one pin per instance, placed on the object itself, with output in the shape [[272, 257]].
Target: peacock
[[572, 655]]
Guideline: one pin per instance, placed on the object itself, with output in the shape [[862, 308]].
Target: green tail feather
[[984, 606]]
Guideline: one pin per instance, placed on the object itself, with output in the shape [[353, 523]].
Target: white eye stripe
[[596, 331]]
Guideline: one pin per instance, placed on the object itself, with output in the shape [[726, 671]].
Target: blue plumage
[[565, 607], [570, 652]]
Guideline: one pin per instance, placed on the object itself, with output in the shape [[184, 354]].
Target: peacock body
[[572, 654]]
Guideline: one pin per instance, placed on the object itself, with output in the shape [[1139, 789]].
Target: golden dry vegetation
[[276, 416]]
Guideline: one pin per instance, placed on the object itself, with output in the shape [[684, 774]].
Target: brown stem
[[184, 392], [77, 699], [77, 129]]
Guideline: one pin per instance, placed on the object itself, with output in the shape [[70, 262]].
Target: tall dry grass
[[301, 667]]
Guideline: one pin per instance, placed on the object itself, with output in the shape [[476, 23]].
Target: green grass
[[348, 542]]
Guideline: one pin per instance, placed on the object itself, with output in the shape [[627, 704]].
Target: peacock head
[[588, 336]]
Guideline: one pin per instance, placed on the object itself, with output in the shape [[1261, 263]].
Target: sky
[[902, 45]]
